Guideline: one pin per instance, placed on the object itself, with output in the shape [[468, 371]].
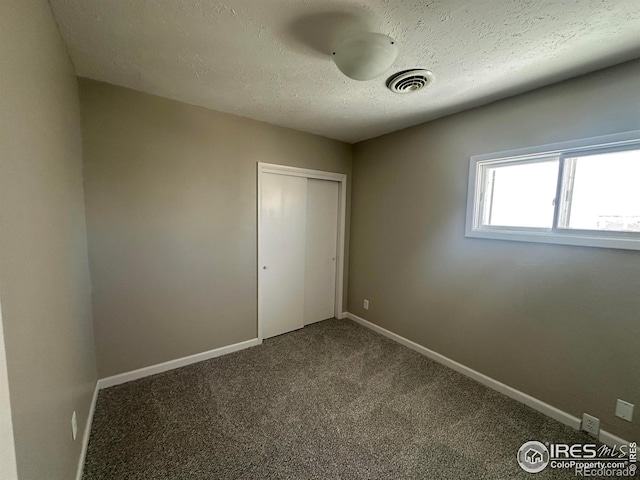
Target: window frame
[[556, 234]]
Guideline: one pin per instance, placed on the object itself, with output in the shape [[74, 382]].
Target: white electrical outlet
[[74, 425], [624, 410], [365, 304], [591, 424]]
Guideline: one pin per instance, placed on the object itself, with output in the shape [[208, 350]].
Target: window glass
[[602, 192], [520, 194]]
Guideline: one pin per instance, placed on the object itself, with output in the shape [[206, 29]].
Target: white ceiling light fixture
[[365, 56]]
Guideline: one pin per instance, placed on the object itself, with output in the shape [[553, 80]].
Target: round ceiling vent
[[410, 81]]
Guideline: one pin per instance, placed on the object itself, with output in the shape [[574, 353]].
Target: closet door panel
[[321, 248], [282, 253]]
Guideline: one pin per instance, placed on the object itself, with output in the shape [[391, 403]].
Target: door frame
[[341, 178], [8, 470]]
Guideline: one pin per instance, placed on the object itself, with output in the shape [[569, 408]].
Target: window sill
[[580, 239]]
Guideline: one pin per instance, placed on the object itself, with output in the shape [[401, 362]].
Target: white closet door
[[282, 253], [321, 248]]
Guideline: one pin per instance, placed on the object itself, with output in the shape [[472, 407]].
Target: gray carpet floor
[[331, 401]]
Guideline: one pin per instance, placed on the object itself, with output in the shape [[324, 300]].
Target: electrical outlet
[[591, 424], [365, 304], [624, 410], [74, 425]]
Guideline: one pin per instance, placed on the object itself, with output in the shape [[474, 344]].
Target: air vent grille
[[409, 81]]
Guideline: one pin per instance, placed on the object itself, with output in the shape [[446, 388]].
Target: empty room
[[329, 239]]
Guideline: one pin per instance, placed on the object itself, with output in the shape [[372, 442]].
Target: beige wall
[[171, 214], [44, 276], [559, 323]]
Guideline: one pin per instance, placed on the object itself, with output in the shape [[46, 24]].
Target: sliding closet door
[[282, 253], [321, 248]]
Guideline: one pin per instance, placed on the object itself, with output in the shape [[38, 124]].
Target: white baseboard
[[542, 407], [86, 433], [611, 439], [173, 364], [342, 316]]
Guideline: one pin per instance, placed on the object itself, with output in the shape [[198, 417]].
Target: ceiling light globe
[[365, 56]]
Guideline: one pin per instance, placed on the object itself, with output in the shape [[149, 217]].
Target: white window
[[584, 192]]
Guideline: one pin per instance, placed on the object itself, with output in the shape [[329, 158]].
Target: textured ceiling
[[270, 59]]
